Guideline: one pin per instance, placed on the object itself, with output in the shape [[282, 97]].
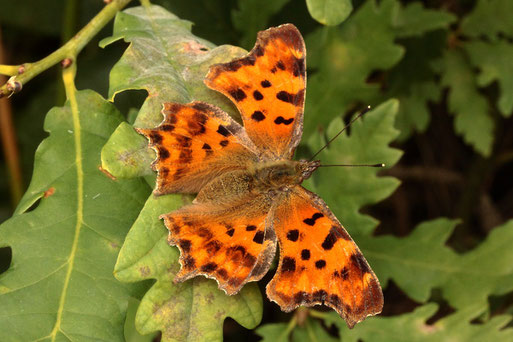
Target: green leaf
[[311, 331], [421, 253], [494, 61], [343, 58], [414, 83], [329, 12], [346, 189], [252, 16], [414, 20], [126, 153], [413, 327], [484, 271], [472, 118], [274, 332], [489, 19], [167, 61], [189, 311], [60, 282]]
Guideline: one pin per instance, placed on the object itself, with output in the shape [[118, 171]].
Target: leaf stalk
[[69, 50]]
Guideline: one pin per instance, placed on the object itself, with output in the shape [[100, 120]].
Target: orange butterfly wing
[[195, 143], [215, 240], [268, 88], [319, 262]]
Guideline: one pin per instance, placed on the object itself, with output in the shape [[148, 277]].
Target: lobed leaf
[[494, 61], [346, 190], [60, 281], [414, 20], [413, 327], [472, 118], [487, 19]]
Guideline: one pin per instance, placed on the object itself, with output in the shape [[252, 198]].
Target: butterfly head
[[305, 168]]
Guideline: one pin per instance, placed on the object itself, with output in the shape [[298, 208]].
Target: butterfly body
[[250, 198]]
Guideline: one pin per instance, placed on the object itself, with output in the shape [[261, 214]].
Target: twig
[[10, 147], [21, 74]]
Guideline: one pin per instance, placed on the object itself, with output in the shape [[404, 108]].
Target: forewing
[[195, 143], [230, 241], [268, 88], [319, 262]]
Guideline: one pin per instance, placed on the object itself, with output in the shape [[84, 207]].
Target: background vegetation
[[435, 225]]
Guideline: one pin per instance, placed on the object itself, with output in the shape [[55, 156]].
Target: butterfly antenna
[[343, 129], [355, 165]]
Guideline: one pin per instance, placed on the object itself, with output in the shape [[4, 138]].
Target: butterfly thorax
[[283, 174]]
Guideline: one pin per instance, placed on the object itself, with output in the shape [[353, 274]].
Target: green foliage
[[60, 282], [473, 119], [329, 12], [413, 327], [415, 65], [357, 187], [252, 16]]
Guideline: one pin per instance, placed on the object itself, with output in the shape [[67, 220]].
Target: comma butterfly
[[249, 189]]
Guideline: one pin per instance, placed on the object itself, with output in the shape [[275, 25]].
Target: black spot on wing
[[301, 297], [205, 233], [185, 156], [319, 296], [197, 124], [251, 228], [155, 137], [238, 94], [330, 239], [223, 131], [258, 116], [258, 95], [189, 262], [222, 273], [280, 65], [320, 264], [358, 262], [259, 237], [265, 84], [210, 267], [311, 221], [282, 120], [213, 247], [288, 264], [230, 232], [305, 254], [163, 153], [293, 235], [185, 245], [249, 260], [224, 143], [299, 67], [167, 127]]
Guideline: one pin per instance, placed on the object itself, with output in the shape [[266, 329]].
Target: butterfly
[[250, 197]]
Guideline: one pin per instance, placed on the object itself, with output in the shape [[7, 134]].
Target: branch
[[21, 74]]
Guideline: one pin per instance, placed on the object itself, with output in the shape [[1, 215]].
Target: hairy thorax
[[265, 178], [281, 175]]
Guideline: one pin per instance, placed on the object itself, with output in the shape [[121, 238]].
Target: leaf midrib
[[71, 92]]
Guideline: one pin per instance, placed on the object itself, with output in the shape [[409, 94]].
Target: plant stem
[[9, 143], [69, 50]]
